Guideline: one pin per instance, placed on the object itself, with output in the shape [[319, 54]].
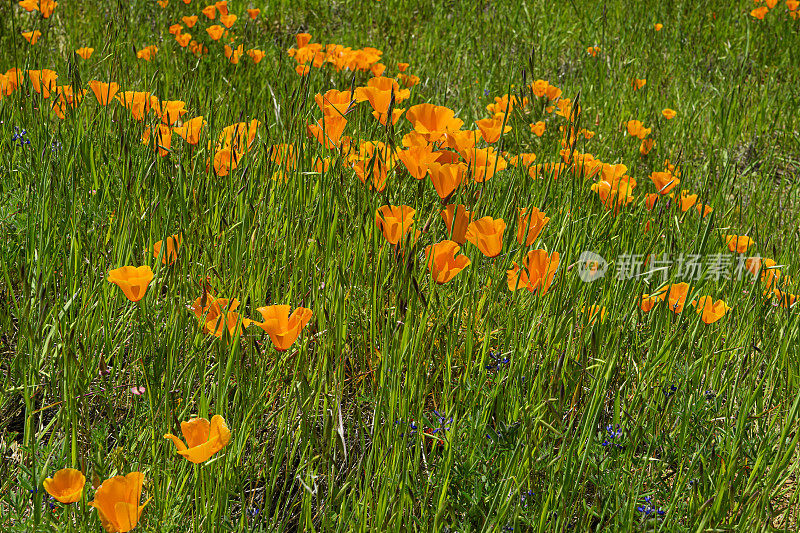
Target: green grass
[[336, 433]]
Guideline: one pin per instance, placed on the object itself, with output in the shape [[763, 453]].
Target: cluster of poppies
[[117, 500], [763, 7]]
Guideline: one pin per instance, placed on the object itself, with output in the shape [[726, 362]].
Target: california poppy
[[228, 20], [493, 128], [646, 145], [613, 198], [190, 21], [239, 136], [537, 272], [676, 298], [256, 55], [487, 234], [739, 243], [462, 141], [132, 280], [649, 300], [394, 221], [117, 502], [66, 485], [668, 113], [658, 26], [759, 12], [104, 92], [483, 163], [215, 31], [147, 53], [328, 130], [457, 219], [408, 80], [210, 12], [233, 54], [29, 5], [710, 310], [443, 262], [32, 36], [593, 51], [637, 129], [687, 201], [170, 111], [416, 159], [283, 328], [530, 223], [203, 438], [446, 177], [538, 128], [175, 29], [43, 81], [433, 121], [222, 7], [190, 130], [637, 83], [372, 164], [84, 52], [171, 253], [254, 12], [664, 181], [704, 210]]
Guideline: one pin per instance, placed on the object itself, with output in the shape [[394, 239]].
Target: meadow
[[399, 265]]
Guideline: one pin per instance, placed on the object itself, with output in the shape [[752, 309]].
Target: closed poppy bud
[[203, 438], [104, 92], [66, 485], [487, 234], [530, 223], [171, 252], [537, 272], [457, 219], [189, 21], [664, 181], [637, 129], [676, 298], [117, 502], [215, 31], [538, 128], [738, 243], [84, 52], [283, 328], [710, 310], [669, 114], [443, 262], [394, 221], [132, 280], [253, 13]]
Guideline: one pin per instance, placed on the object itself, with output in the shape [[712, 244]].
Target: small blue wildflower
[[19, 137]]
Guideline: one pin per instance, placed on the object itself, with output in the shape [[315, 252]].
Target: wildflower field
[[399, 265]]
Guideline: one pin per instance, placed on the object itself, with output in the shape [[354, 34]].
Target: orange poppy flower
[[658, 26], [676, 298], [704, 210], [373, 163], [256, 55], [487, 234], [117, 502], [189, 131], [669, 114], [222, 7], [46, 7], [538, 128], [175, 29], [29, 5], [233, 54], [408, 80], [169, 111], [759, 12], [394, 222], [283, 328], [163, 3], [254, 13], [302, 70], [334, 102], [462, 141], [537, 272], [66, 485], [710, 310], [433, 121], [493, 128], [648, 301], [147, 53], [792, 5], [225, 160], [104, 92], [377, 69], [210, 11], [687, 201], [646, 145], [382, 117], [43, 81], [302, 39], [84, 52], [446, 177], [203, 438], [739, 243], [484, 163], [228, 20], [132, 280], [767, 268], [637, 129], [443, 262], [416, 159], [32, 36], [664, 181], [613, 199], [595, 311], [530, 223], [171, 253], [190, 21], [457, 219], [637, 83], [239, 136], [593, 51], [183, 39], [328, 130], [215, 31], [525, 160]]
